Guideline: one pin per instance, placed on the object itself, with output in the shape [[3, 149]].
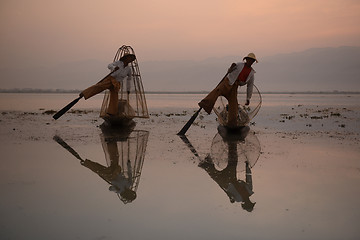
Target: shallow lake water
[[303, 186]]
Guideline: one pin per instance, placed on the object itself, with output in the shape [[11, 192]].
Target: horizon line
[[32, 90]]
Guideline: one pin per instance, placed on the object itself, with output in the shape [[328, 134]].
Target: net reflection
[[231, 156], [124, 153]]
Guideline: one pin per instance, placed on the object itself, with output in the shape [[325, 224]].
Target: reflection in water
[[230, 153], [247, 148], [124, 152]]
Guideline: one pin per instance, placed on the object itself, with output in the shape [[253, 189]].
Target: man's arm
[[129, 80], [249, 90]]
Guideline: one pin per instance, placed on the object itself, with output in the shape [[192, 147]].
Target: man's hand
[[247, 102]]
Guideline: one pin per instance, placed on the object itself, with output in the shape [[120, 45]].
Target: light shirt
[[249, 81], [121, 73]]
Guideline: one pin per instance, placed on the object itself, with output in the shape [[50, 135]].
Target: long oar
[[70, 105], [67, 147], [188, 124], [192, 119], [72, 151], [190, 146], [66, 108]]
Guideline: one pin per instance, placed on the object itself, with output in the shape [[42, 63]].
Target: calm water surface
[[292, 190]]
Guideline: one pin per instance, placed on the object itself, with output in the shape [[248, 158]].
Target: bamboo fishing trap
[[132, 102], [246, 113], [127, 150], [223, 151]]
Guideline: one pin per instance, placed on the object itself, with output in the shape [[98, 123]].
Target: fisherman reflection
[[121, 183], [236, 189], [124, 152]]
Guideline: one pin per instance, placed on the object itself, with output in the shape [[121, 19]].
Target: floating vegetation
[[316, 114], [49, 112], [290, 117], [316, 117], [184, 113], [80, 111], [287, 116], [29, 113]]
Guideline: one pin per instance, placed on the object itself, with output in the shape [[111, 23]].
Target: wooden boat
[[246, 113], [132, 104]]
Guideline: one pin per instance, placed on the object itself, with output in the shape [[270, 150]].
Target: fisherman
[[120, 70], [120, 178], [239, 74]]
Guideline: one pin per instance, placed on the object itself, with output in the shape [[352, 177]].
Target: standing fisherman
[[113, 82], [239, 74]]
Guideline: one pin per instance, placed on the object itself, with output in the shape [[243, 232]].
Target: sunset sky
[[40, 31]]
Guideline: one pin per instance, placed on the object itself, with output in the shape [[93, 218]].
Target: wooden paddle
[[66, 108], [70, 105], [192, 119], [190, 146], [67, 147], [188, 124], [60, 141]]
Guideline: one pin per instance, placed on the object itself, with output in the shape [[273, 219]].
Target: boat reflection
[[124, 153], [232, 155]]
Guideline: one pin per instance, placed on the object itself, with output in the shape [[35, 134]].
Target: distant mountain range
[[318, 69], [314, 70]]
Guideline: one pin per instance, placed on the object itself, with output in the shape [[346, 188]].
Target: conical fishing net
[[223, 151], [128, 150], [132, 102]]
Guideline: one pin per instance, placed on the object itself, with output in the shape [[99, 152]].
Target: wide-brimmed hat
[[132, 57], [251, 55]]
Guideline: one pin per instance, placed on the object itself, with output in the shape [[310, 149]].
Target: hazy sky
[[47, 31]]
